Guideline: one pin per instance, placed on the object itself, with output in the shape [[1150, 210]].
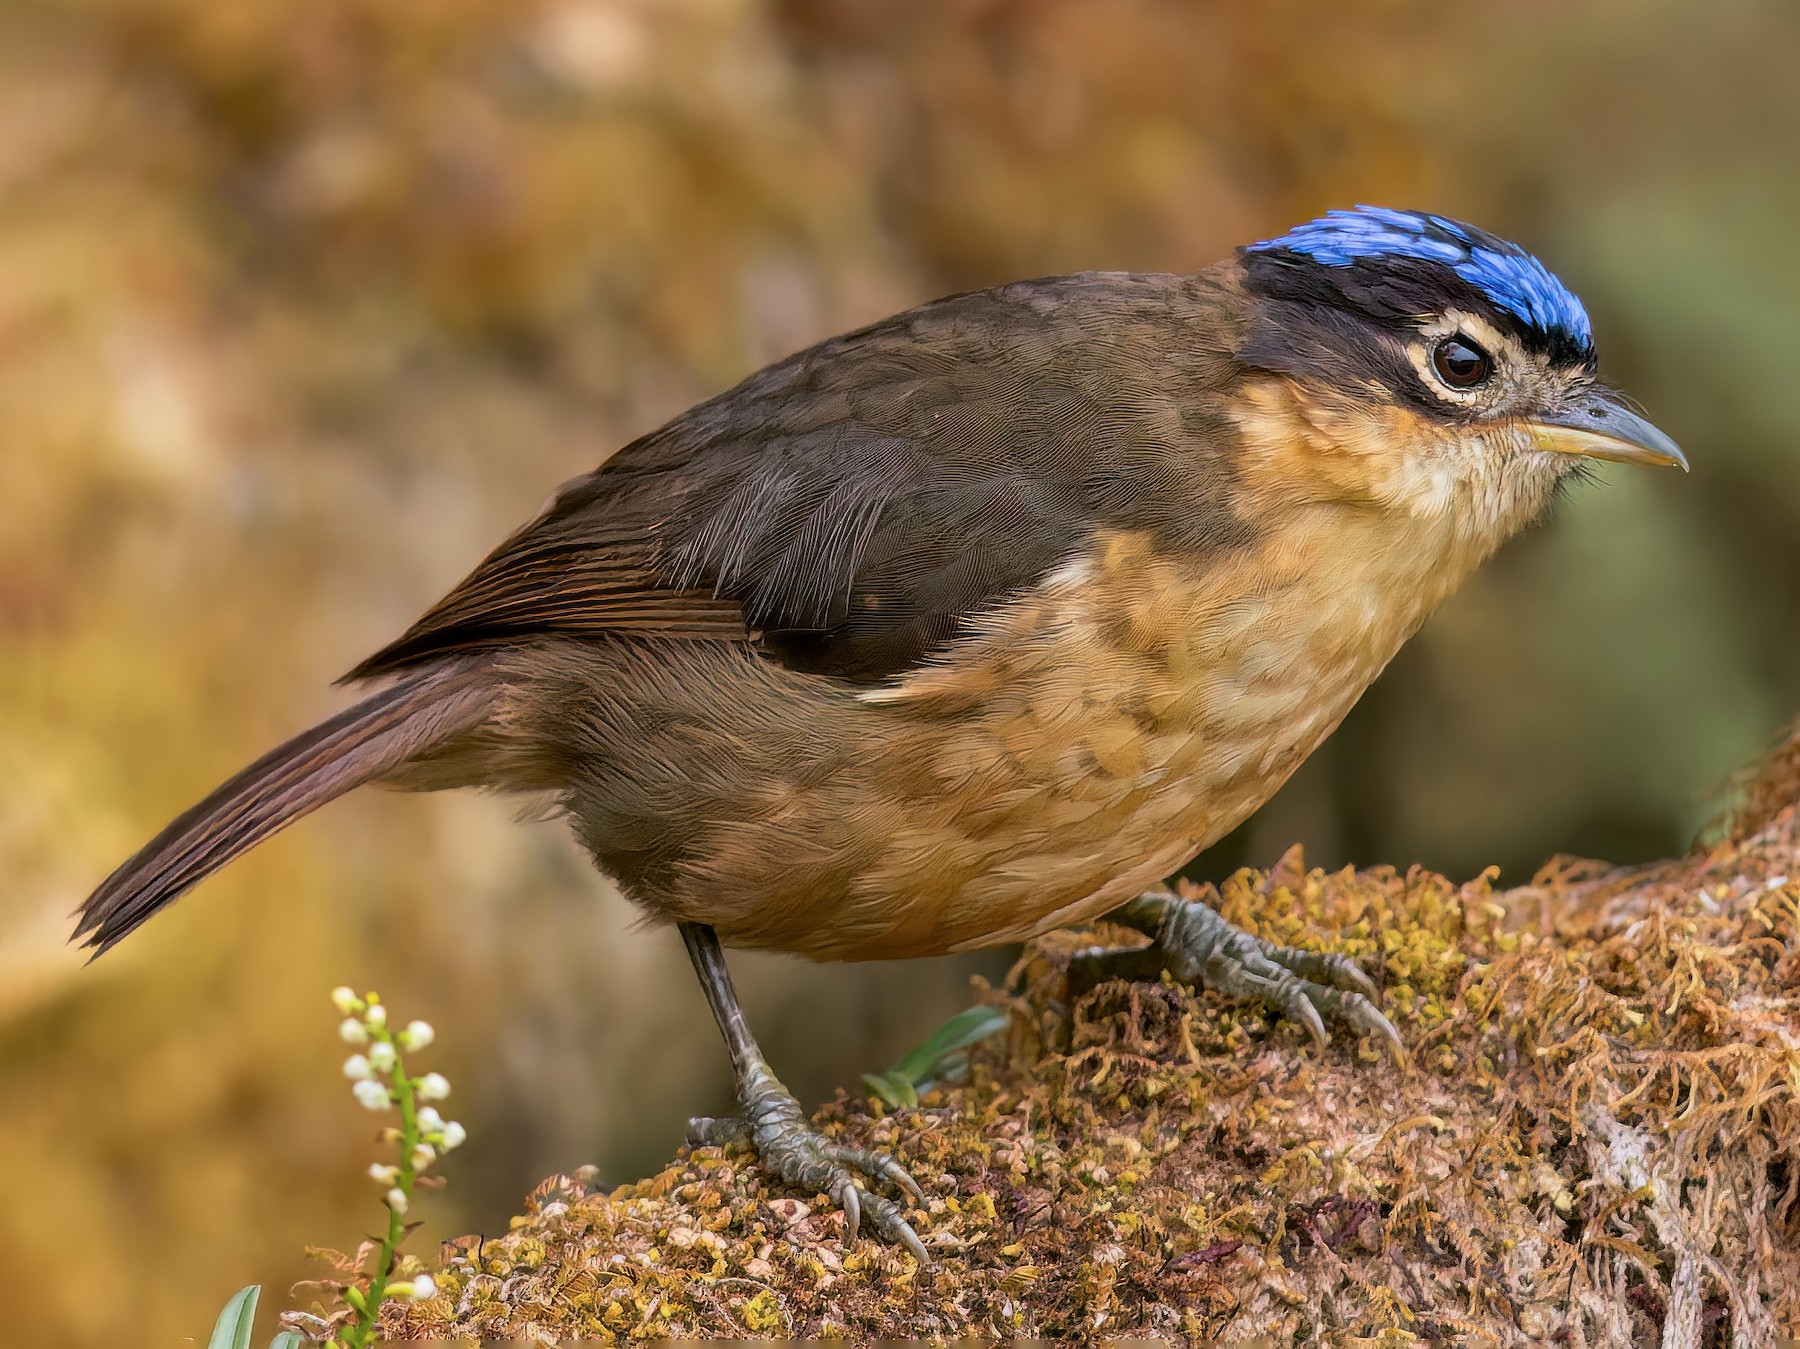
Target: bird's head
[[1437, 368]]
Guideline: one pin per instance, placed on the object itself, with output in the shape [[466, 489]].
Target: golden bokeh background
[[302, 307]]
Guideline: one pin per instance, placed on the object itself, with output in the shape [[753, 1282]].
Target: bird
[[980, 621]]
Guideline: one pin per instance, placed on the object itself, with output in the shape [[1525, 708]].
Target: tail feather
[[356, 746]]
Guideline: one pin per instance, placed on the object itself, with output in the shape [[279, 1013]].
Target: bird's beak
[[1604, 428]]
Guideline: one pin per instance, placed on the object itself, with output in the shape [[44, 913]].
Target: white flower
[[430, 1122], [454, 1136], [424, 1286], [383, 1175], [433, 1087], [371, 1095], [376, 1016], [381, 1056], [417, 1035], [396, 1200], [423, 1156], [353, 1032], [356, 1068], [345, 1000]]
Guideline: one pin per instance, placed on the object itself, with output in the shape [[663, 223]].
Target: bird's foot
[[795, 1153], [1197, 946]]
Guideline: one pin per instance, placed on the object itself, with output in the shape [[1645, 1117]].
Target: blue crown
[[1509, 276]]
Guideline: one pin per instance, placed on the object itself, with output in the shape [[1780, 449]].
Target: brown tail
[[354, 747]]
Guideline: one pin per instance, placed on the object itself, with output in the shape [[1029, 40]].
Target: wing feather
[[849, 508]]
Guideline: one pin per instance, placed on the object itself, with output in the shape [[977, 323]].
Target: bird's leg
[[774, 1124], [1192, 942]]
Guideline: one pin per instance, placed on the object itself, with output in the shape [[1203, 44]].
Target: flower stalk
[[379, 1081]]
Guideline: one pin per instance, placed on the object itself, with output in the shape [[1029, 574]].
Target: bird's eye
[[1460, 363]]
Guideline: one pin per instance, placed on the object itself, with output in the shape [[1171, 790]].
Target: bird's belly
[[1048, 808], [1085, 744]]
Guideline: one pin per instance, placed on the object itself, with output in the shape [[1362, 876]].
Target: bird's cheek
[[1297, 444], [1430, 486], [1409, 465]]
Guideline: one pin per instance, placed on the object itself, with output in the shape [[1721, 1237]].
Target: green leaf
[[968, 1027], [232, 1329], [287, 1339], [892, 1088], [901, 1084]]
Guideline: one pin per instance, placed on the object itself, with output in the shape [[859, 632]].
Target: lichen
[[1596, 1136]]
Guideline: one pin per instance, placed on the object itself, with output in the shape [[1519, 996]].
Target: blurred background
[[302, 307]]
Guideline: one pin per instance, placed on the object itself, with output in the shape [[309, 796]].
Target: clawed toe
[[1195, 944], [1317, 967], [1304, 985], [799, 1156], [885, 1217], [786, 1144]]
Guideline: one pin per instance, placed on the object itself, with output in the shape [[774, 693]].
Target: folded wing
[[850, 508]]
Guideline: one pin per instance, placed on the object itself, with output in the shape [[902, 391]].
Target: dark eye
[[1460, 363]]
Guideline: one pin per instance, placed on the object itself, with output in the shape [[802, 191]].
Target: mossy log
[[1594, 1143]]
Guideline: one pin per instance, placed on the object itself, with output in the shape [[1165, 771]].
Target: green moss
[[1600, 1117]]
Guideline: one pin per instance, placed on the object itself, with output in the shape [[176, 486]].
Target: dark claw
[[1198, 946], [1296, 1004], [849, 1198], [890, 1224], [901, 1177], [707, 1131], [795, 1154], [1348, 969], [910, 1239]]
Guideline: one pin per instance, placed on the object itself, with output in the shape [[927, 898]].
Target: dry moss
[[1595, 1143]]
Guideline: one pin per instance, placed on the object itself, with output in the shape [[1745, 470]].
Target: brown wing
[[850, 507]]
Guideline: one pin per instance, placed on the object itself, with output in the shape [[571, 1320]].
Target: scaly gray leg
[[774, 1124], [1193, 943]]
